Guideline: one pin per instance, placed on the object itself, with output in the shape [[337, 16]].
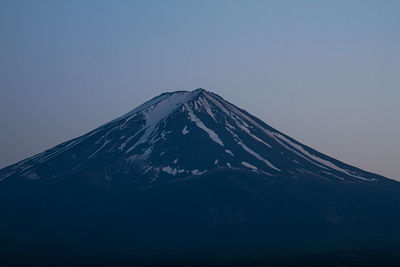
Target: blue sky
[[324, 72]]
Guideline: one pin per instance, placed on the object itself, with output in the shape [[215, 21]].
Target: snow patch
[[244, 128], [105, 143], [146, 153], [143, 106], [229, 152], [207, 107], [201, 125], [197, 172], [230, 126], [164, 133], [170, 170], [148, 169], [32, 176], [122, 146], [257, 156], [185, 131], [218, 104], [248, 165], [315, 159], [158, 111]]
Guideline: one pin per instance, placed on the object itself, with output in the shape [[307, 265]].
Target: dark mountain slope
[[189, 177]]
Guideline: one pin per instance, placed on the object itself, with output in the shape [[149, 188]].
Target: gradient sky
[[326, 73]]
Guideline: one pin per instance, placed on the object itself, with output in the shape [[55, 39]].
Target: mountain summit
[[188, 177]]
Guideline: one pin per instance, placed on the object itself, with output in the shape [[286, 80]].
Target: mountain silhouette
[[188, 177]]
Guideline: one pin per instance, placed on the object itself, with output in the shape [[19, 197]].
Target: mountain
[[179, 134], [190, 177]]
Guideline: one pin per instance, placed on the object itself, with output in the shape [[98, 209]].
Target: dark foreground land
[[219, 218]]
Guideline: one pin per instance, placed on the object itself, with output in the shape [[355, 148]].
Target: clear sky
[[326, 73]]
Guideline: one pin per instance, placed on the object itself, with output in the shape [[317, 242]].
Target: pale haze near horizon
[[326, 74]]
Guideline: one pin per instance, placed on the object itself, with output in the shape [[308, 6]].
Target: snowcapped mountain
[[179, 134], [188, 177]]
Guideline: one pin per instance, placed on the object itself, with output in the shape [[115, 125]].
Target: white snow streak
[[122, 146], [257, 156], [197, 172], [104, 144], [315, 159], [170, 170], [159, 111], [201, 125], [185, 131], [207, 107], [229, 152], [239, 122], [248, 165], [299, 150]]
